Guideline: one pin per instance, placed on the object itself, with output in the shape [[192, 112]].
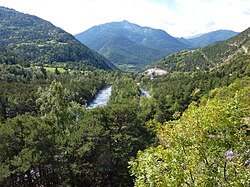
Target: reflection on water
[[101, 98]]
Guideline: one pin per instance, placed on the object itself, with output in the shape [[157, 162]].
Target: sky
[[179, 18]]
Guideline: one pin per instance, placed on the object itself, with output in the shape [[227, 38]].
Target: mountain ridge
[[208, 57], [202, 40], [146, 38]]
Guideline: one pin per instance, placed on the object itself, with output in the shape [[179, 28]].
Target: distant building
[[155, 72]]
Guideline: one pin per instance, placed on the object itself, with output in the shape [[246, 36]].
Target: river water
[[104, 94], [101, 98]]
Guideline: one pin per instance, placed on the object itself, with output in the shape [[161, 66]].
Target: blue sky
[[177, 17]]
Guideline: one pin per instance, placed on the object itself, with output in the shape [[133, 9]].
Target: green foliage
[[9, 57], [67, 145], [175, 91], [41, 145], [123, 89], [197, 60], [208, 146], [117, 133], [21, 139], [19, 86]]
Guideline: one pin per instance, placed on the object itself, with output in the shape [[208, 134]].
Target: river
[[104, 94], [101, 98]]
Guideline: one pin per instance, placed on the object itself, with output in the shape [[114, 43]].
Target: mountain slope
[[128, 44], [208, 38], [208, 57], [125, 58], [41, 42]]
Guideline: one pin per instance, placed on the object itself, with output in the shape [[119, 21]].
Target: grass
[[52, 69]]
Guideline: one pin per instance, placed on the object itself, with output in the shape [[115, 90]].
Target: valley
[[149, 110], [132, 47]]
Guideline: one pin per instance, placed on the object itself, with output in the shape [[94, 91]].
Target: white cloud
[[177, 17], [223, 14]]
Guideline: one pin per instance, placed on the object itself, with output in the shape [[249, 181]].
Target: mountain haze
[[40, 42], [128, 45], [203, 40]]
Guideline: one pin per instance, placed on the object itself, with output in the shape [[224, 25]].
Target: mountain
[[209, 57], [203, 40], [128, 45], [40, 42]]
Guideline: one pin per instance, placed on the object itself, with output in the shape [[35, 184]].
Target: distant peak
[[212, 32], [125, 21]]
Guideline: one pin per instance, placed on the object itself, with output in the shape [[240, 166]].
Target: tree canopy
[[207, 146]]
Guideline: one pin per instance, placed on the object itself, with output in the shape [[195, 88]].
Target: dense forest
[[192, 129], [49, 138], [207, 146]]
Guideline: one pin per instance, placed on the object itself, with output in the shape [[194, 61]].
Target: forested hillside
[[40, 42], [208, 57], [192, 74]]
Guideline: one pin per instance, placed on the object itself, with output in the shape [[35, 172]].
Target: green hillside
[[208, 57], [128, 55], [40, 42]]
